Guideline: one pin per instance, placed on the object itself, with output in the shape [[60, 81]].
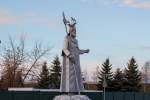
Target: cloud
[[8, 17], [145, 48], [128, 3], [7, 21], [86, 1], [137, 4], [132, 3]]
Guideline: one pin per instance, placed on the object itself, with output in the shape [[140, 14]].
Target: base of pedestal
[[71, 97]]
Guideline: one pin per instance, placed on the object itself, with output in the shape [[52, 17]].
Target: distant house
[[91, 85], [145, 87]]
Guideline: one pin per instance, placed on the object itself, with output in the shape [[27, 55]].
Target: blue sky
[[118, 29]]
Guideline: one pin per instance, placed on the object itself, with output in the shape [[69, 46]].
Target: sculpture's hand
[[72, 59], [87, 51]]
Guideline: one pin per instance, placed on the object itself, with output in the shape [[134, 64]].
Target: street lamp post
[[104, 86]]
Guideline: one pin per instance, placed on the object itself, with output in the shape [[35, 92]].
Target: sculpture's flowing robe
[[71, 78]]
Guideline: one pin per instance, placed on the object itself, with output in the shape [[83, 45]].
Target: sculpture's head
[[72, 30], [71, 25]]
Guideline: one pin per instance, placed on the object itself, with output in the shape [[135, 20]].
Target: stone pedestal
[[71, 97]]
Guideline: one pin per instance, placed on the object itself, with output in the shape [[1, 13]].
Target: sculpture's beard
[[73, 35]]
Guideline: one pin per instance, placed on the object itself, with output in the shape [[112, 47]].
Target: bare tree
[[12, 58], [16, 60], [145, 73], [34, 57], [95, 75], [85, 76]]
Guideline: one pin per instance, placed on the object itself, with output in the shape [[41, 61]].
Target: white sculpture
[[71, 78]]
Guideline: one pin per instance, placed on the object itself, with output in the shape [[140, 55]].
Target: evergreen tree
[[133, 76], [118, 80], [106, 72], [55, 76], [44, 80]]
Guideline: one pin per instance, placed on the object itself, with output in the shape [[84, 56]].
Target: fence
[[38, 95]]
